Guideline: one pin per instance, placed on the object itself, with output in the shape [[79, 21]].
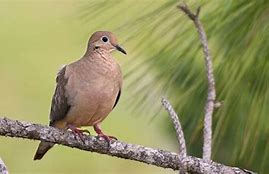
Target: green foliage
[[168, 60]]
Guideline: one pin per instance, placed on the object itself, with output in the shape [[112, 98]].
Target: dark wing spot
[[117, 99]]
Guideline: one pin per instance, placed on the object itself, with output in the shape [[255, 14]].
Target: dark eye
[[105, 39]]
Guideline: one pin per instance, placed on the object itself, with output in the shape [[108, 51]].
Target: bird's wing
[[117, 99], [59, 104], [120, 86]]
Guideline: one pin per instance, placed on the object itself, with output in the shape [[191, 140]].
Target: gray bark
[[3, 168], [157, 157], [211, 93], [180, 135]]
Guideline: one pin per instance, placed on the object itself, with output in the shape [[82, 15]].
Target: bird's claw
[[108, 138], [100, 134], [79, 132], [84, 131]]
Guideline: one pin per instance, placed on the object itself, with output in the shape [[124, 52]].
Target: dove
[[87, 90]]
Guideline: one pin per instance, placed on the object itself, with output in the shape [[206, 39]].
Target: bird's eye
[[105, 39]]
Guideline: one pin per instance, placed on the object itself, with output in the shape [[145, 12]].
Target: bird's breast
[[91, 95]]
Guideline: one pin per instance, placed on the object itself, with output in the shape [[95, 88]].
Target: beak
[[120, 49]]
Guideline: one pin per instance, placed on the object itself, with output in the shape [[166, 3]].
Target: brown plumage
[[87, 90]]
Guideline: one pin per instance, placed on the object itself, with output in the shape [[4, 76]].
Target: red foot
[[106, 137], [78, 132], [102, 135]]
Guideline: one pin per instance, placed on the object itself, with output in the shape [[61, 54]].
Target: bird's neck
[[99, 56], [94, 50]]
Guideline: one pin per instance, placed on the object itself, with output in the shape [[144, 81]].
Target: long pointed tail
[[42, 149]]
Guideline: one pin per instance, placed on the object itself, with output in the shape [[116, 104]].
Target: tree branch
[[3, 168], [157, 157], [211, 94], [180, 135]]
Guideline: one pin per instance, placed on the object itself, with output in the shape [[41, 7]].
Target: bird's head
[[105, 40]]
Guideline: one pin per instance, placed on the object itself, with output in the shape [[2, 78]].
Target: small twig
[[180, 135], [211, 95], [188, 12], [157, 157], [3, 168]]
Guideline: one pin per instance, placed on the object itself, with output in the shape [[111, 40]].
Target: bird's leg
[[77, 131], [100, 133], [84, 131]]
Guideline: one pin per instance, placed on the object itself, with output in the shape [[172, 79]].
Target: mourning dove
[[87, 90]]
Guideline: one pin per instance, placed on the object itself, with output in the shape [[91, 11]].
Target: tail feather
[[42, 149]]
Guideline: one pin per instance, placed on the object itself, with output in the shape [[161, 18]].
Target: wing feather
[[59, 104], [118, 98]]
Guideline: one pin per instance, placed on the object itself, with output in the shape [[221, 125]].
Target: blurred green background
[[164, 59]]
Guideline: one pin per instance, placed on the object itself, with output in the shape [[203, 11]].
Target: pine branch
[[157, 157]]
